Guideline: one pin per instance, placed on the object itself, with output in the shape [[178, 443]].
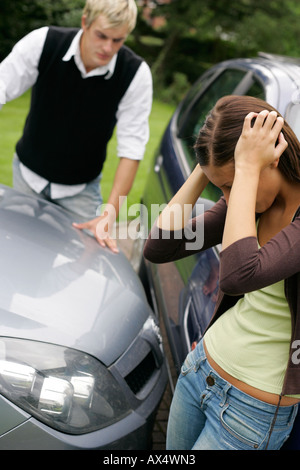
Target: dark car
[[81, 358], [184, 291]]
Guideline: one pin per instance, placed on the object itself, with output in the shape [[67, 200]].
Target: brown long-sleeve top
[[244, 267]]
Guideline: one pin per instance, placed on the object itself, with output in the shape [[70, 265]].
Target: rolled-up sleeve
[[133, 115]]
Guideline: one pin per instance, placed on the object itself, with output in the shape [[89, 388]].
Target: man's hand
[[101, 227]]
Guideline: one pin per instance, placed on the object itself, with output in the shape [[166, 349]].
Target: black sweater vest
[[71, 119]]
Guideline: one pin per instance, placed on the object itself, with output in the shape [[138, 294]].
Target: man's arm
[[102, 226], [132, 135], [133, 115], [123, 181]]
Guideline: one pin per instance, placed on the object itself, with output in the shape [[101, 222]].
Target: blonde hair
[[117, 12]]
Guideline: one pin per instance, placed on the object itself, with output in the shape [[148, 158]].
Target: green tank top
[[251, 340]]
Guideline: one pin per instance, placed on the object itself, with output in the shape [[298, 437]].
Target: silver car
[[81, 358]]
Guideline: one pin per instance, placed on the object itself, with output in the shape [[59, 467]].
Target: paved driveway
[[160, 427]]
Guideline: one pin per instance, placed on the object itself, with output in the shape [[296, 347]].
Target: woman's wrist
[[240, 218], [248, 169]]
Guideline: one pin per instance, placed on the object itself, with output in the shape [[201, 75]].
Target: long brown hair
[[218, 137]]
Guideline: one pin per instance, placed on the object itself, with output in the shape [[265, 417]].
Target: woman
[[239, 388]]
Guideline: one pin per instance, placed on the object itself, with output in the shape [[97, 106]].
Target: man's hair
[[218, 137], [117, 12]]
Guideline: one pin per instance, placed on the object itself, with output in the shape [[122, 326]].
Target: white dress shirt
[[19, 72]]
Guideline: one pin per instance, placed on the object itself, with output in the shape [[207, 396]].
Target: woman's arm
[[255, 150], [163, 246], [177, 213], [245, 268], [167, 240]]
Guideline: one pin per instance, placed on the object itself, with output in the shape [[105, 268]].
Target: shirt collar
[[74, 51]]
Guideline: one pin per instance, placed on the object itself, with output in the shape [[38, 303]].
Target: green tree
[[199, 33], [63, 12], [19, 17]]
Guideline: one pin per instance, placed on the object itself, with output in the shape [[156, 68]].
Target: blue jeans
[[208, 413], [84, 204]]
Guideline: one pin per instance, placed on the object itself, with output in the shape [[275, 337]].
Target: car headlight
[[62, 387]]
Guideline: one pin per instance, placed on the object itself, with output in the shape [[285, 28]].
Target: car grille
[[139, 376]]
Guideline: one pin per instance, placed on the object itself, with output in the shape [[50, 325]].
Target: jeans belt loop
[[224, 393]]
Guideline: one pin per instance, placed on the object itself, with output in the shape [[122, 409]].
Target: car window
[[225, 84], [192, 94], [256, 90]]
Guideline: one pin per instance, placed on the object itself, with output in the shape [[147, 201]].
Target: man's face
[[100, 42]]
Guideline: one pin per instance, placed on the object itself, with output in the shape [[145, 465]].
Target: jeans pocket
[[241, 432]]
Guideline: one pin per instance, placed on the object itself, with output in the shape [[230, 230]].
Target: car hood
[[58, 285]]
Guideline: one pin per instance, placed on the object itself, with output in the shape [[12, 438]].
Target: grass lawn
[[12, 117]]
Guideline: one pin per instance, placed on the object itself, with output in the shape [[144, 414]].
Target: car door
[[185, 290]]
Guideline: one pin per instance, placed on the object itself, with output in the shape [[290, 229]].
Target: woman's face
[[268, 187]]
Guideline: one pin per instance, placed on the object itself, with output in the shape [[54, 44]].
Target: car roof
[[279, 74], [269, 60], [288, 66]]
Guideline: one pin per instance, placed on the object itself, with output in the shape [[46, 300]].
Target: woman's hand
[[262, 144], [259, 146]]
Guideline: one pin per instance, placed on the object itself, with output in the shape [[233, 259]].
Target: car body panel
[[132, 433], [66, 290]]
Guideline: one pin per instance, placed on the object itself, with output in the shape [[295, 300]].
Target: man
[[83, 83]]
